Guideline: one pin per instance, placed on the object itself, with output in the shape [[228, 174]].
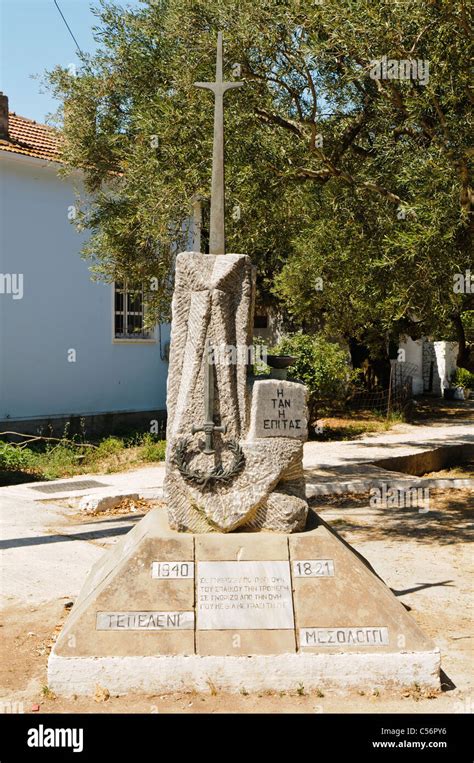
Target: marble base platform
[[255, 673], [165, 611]]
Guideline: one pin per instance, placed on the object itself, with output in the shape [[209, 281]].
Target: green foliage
[[12, 458], [260, 368], [321, 365], [152, 449], [47, 461], [47, 692], [54, 461], [361, 182], [109, 447], [463, 378]]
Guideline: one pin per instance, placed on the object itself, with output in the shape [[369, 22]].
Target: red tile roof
[[31, 139]]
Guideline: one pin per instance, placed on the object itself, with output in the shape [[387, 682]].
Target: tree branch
[[34, 438], [288, 124]]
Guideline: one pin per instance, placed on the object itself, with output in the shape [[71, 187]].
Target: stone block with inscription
[[167, 611], [254, 467], [278, 410]]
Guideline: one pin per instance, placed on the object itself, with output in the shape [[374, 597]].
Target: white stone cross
[[219, 87]]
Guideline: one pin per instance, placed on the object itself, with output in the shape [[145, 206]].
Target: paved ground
[[324, 462], [43, 557], [147, 481], [402, 440], [44, 552], [47, 549], [340, 467]]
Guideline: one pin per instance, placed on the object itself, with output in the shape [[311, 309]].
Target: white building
[[69, 347], [432, 364]]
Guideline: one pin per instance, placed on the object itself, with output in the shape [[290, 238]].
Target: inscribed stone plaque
[[144, 621], [172, 570], [313, 568], [343, 636], [244, 595], [278, 410]]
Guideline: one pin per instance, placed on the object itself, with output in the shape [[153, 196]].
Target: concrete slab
[[375, 447], [402, 482], [38, 562], [147, 482], [241, 547], [245, 642], [256, 673], [350, 615], [353, 597]]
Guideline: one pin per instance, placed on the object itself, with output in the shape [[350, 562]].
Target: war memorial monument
[[238, 584]]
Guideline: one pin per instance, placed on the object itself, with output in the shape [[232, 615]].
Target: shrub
[[153, 450], [55, 461], [12, 458], [321, 365], [109, 447], [464, 378]]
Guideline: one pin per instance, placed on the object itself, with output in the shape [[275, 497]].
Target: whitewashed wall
[[421, 353], [61, 309], [414, 356], [446, 353]]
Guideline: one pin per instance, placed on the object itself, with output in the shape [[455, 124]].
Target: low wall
[[95, 425], [428, 460]]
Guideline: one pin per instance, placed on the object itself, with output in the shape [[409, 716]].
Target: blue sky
[[33, 39]]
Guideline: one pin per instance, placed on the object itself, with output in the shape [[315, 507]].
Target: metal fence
[[396, 398]]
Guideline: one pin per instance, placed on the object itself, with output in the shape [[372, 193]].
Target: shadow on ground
[[449, 518]]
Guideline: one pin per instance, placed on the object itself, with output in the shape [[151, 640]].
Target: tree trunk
[[376, 370], [464, 358]]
